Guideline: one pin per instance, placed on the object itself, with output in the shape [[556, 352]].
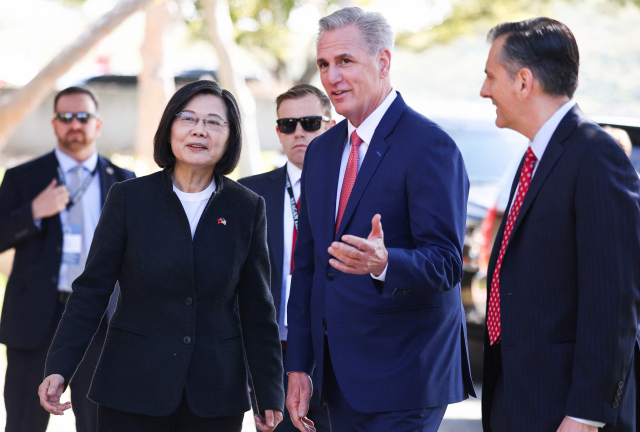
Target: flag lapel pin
[[222, 221]]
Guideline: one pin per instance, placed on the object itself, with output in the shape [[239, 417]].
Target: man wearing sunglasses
[[304, 112], [49, 208]]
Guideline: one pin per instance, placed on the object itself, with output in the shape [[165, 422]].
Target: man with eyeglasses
[[49, 209], [304, 112]]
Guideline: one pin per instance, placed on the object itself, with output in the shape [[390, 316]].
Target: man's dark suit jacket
[[569, 287], [175, 328], [401, 345], [31, 296], [271, 187]]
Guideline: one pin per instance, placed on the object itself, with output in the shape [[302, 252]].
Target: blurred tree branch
[[468, 16], [31, 95]]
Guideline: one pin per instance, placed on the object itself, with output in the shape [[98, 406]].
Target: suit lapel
[[107, 178], [373, 157], [549, 158], [54, 223], [498, 241], [273, 195], [375, 153], [330, 185]]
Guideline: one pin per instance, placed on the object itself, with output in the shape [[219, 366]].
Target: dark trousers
[[182, 420], [317, 414], [25, 369], [344, 418], [499, 417]]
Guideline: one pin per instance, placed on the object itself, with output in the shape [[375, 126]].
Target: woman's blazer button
[[186, 340], [188, 301]]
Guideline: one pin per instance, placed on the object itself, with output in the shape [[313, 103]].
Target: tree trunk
[[309, 72], [31, 95], [220, 28], [156, 84]]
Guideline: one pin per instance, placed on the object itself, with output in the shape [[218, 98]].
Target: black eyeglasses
[[67, 117], [310, 124]]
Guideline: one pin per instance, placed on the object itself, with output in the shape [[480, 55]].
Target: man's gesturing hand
[[50, 391], [364, 255], [270, 421], [298, 396], [570, 425], [51, 201]]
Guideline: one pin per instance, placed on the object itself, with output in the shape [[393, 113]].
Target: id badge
[[71, 243], [286, 300]]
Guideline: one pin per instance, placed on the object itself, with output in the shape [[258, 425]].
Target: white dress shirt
[[365, 132], [538, 146], [294, 175], [543, 136], [91, 205], [194, 204]]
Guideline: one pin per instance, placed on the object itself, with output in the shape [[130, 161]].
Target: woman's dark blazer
[[175, 328]]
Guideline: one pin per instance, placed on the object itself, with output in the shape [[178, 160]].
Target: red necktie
[[295, 236], [349, 177], [493, 319]]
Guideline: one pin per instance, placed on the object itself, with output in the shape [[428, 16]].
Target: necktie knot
[[76, 178], [355, 140]]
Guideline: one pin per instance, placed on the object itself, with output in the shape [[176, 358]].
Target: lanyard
[[78, 195], [294, 206]]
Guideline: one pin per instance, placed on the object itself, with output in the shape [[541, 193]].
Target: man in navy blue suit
[[304, 112], [378, 314], [49, 208], [564, 279]]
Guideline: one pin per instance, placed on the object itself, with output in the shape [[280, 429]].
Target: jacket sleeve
[[91, 290], [258, 319], [299, 340], [16, 218], [437, 188], [607, 217]]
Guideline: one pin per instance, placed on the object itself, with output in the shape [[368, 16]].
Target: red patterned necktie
[[295, 236], [349, 177], [493, 318]]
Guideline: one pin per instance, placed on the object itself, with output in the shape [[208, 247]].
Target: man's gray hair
[[375, 29]]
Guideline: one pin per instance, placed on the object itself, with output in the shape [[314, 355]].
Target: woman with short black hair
[[184, 244]]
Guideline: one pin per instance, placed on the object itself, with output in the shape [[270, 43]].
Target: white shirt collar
[[294, 173], [196, 196], [67, 163], [541, 140], [369, 125]]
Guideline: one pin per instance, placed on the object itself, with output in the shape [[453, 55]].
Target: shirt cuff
[[588, 422], [382, 276], [38, 223]]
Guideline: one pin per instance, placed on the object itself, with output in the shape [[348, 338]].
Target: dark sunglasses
[[67, 117], [310, 124]]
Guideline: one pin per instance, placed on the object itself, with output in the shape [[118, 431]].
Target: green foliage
[[270, 20], [470, 16], [626, 2], [260, 25], [72, 2]]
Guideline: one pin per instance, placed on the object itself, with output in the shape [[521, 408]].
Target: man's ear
[[524, 82], [99, 126], [384, 60]]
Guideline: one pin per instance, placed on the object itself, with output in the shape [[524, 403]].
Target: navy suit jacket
[[270, 186], [31, 296], [400, 345], [569, 287]]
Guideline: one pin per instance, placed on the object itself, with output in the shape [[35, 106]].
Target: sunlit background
[[159, 45]]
